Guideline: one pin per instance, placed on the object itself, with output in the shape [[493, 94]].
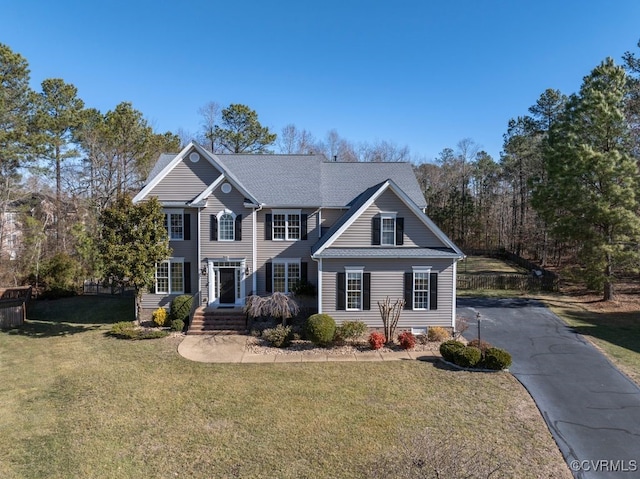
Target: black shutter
[[433, 291], [187, 277], [303, 226], [187, 226], [408, 291], [366, 291], [213, 230], [238, 227], [303, 272], [267, 226], [341, 293], [375, 230], [268, 267], [399, 231]]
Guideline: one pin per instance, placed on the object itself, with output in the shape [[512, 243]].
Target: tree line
[[564, 190]]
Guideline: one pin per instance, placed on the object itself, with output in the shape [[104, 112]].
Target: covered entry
[[226, 281]]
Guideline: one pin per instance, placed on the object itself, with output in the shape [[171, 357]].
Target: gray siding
[[186, 181], [416, 233], [187, 249], [217, 202], [387, 279], [269, 249]]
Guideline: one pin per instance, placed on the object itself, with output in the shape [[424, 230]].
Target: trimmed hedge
[[321, 329], [448, 349], [181, 307], [496, 358], [280, 336]]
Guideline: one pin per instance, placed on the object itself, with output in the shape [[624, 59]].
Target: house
[[254, 224]]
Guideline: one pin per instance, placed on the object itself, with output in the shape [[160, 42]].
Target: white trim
[[286, 262], [170, 261], [199, 262], [240, 276], [353, 270], [209, 189], [174, 211], [254, 250], [320, 286], [420, 270], [454, 294], [286, 213], [387, 216], [389, 184], [226, 211]]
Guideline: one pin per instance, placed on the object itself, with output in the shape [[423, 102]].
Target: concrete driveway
[[592, 410]]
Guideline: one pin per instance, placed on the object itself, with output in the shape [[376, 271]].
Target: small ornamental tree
[[133, 240]]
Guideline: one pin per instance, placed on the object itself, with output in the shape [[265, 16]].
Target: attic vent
[[226, 188], [194, 157]]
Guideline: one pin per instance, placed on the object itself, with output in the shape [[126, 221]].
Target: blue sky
[[424, 74]]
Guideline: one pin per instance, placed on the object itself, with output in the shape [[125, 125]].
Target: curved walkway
[[231, 348], [591, 408]]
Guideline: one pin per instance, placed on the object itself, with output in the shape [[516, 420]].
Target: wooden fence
[[13, 306], [518, 282]]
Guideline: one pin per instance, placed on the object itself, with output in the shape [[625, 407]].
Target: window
[[354, 290], [387, 230], [286, 225], [226, 227], [421, 289], [170, 277], [174, 224], [388, 237], [285, 275]]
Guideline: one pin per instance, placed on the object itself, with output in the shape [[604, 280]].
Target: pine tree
[[590, 196]]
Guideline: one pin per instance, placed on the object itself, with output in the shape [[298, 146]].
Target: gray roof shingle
[[307, 180], [388, 253]]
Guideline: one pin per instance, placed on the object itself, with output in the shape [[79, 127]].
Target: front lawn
[[78, 403]]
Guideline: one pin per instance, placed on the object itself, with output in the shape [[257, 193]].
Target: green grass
[[78, 403], [616, 334], [486, 265]]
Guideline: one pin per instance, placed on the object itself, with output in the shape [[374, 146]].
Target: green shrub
[[467, 357], [160, 316], [438, 333], [496, 358], [280, 336], [448, 348], [123, 330], [177, 325], [321, 329], [350, 330], [407, 340], [181, 307], [57, 293], [128, 330], [376, 340]]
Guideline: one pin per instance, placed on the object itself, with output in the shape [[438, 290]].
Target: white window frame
[[421, 270], [167, 222], [359, 272], [169, 262], [287, 227], [233, 225], [287, 279], [383, 217]]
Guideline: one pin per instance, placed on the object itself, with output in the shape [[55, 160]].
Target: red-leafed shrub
[[407, 340], [376, 340]]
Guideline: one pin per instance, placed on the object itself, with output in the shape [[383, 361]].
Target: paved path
[[231, 348], [592, 410]]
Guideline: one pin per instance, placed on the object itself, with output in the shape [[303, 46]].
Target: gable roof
[[294, 180], [360, 205]]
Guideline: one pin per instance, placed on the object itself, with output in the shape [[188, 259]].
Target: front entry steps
[[214, 320]]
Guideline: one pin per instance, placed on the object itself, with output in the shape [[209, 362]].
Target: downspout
[[319, 261], [254, 249]]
